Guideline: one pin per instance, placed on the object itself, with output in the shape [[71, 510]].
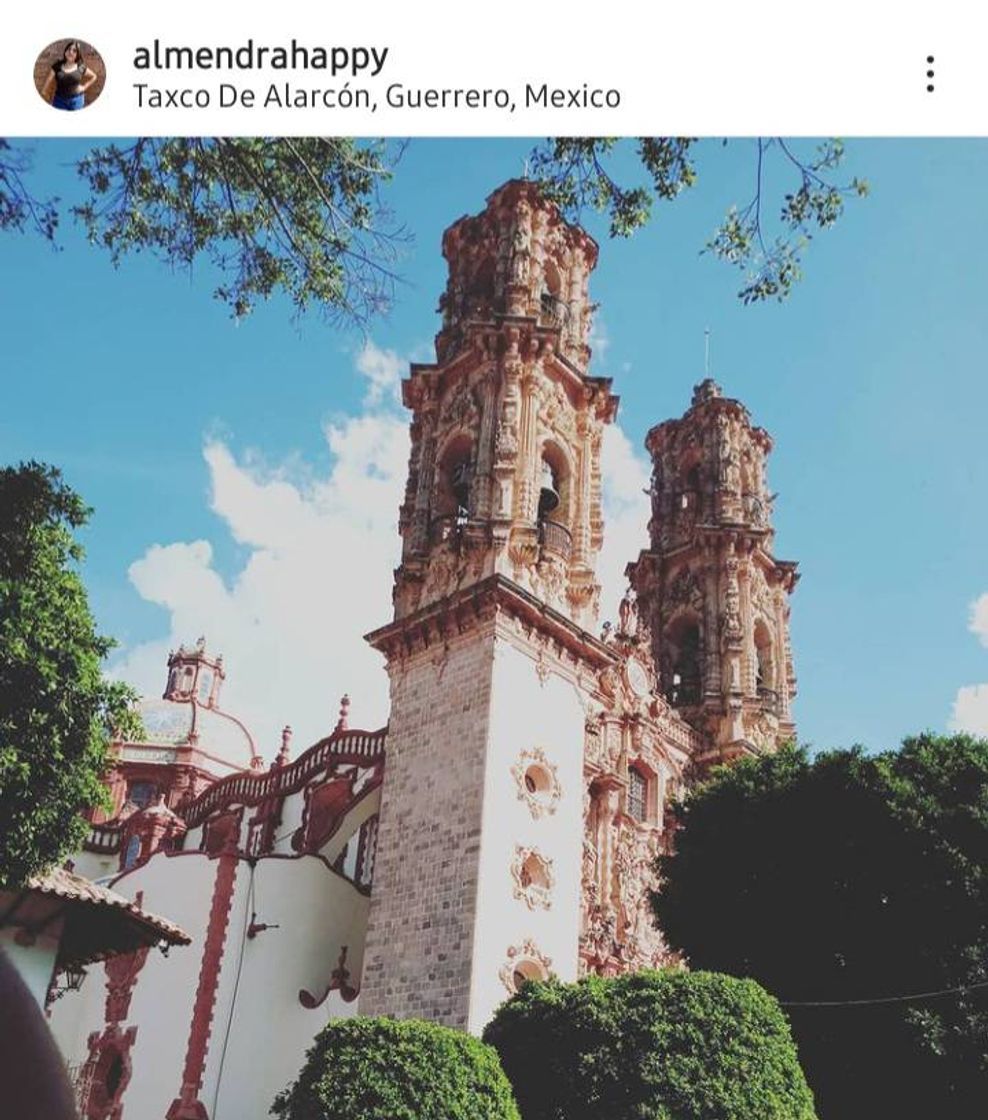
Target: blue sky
[[244, 476]]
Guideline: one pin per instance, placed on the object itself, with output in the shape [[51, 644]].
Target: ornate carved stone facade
[[714, 594], [636, 758], [507, 416]]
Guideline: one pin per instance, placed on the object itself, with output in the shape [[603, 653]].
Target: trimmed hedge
[[390, 1069], [650, 1046]]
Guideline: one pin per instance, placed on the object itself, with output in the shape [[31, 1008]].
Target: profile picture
[[69, 74]]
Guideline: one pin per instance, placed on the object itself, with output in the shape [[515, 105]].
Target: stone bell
[[549, 494]]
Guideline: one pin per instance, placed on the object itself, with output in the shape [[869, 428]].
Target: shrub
[[650, 1046], [390, 1069]]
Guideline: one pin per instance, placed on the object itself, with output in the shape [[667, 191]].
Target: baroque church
[[504, 825]]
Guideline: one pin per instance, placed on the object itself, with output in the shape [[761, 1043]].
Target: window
[[205, 684], [525, 971], [533, 877], [538, 785], [637, 794], [132, 852], [141, 794]]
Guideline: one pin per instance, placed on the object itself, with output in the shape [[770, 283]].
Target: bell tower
[[504, 475], [492, 654], [715, 596]]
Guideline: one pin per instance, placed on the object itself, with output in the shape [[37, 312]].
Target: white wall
[[317, 913], [91, 865], [35, 963], [179, 888], [526, 713], [259, 1038]]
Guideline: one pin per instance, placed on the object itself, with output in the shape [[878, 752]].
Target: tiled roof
[[99, 923]]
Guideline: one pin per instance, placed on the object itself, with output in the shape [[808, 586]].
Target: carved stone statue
[[628, 613]]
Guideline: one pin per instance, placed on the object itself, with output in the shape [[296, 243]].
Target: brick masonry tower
[[715, 597], [490, 655]]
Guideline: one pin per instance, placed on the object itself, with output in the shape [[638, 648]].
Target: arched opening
[[764, 662], [692, 492], [480, 294], [685, 684], [554, 502], [691, 483], [451, 509], [552, 306]]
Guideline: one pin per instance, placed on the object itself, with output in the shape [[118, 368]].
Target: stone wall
[[417, 961]]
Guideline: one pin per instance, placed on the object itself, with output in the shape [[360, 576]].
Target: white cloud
[[383, 370], [626, 475], [599, 339], [978, 622], [970, 711], [317, 577], [319, 569]]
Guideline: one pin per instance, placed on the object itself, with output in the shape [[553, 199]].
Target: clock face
[[637, 676]]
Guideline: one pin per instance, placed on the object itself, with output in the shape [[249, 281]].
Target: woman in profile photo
[[69, 79]]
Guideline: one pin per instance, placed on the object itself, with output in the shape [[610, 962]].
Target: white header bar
[[508, 68]]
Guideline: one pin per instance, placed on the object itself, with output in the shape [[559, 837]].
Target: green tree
[[300, 215], [19, 208], [851, 886], [56, 708], [303, 216], [577, 173], [389, 1069], [650, 1046]]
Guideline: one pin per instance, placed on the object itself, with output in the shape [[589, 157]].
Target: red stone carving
[[121, 976], [325, 805], [221, 833], [187, 1106], [339, 981], [107, 1073]]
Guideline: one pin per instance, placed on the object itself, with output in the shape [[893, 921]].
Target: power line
[[884, 999], [248, 912]]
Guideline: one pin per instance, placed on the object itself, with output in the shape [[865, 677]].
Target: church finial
[[343, 722], [706, 351], [281, 759], [705, 391]]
